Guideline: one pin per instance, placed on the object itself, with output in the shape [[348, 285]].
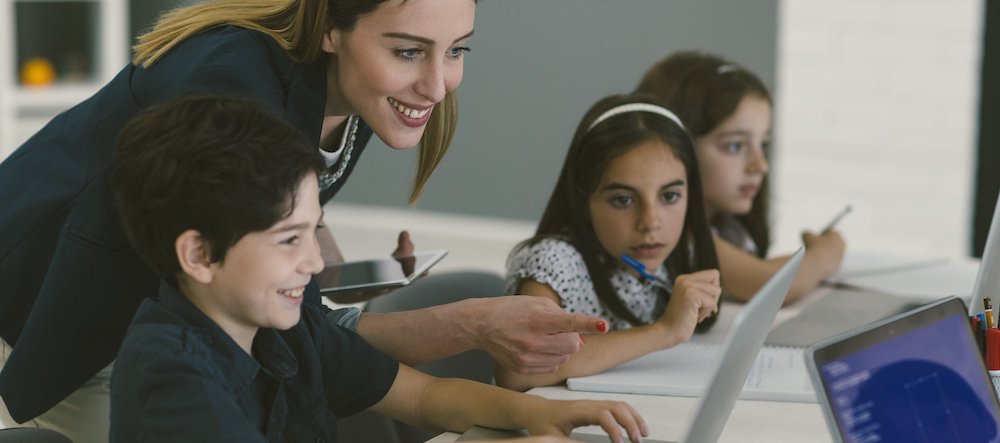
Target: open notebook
[[778, 374], [688, 369]]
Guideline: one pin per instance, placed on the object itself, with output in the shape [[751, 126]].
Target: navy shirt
[[180, 377]]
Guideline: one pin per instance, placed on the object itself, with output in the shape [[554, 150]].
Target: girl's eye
[[408, 54], [766, 146], [459, 51], [671, 196], [621, 201], [733, 147]]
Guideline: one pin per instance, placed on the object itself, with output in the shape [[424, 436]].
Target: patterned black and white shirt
[[559, 265]]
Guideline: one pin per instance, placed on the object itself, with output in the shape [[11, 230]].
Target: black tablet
[[379, 273]]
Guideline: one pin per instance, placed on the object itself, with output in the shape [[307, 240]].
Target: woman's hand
[[559, 417], [695, 297]]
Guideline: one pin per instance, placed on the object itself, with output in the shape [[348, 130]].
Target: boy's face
[[260, 282]]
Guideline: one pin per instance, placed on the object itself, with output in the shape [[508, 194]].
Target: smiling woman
[[337, 71]]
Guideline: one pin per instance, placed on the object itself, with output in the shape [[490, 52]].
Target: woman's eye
[[459, 51], [621, 201], [408, 54]]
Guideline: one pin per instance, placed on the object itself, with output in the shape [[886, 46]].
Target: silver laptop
[[844, 310], [739, 351], [914, 377]]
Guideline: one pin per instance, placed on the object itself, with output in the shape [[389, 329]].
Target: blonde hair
[[298, 26]]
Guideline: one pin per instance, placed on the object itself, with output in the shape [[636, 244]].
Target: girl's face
[[397, 63], [639, 205], [732, 159]]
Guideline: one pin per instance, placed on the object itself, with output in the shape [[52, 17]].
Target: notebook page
[[685, 370]]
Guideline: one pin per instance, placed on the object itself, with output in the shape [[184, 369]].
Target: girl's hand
[[559, 417], [695, 297], [828, 247]]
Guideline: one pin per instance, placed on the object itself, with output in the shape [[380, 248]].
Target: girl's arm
[[696, 296], [456, 405], [743, 274]]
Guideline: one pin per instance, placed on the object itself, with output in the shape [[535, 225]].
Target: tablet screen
[[376, 273]]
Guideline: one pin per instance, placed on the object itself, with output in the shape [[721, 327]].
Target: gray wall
[[535, 68]]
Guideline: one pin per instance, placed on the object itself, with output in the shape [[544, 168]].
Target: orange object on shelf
[[38, 72]]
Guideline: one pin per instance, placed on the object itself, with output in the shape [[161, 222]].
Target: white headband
[[636, 107]]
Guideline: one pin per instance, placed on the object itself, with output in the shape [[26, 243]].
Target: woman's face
[[398, 63], [639, 205], [731, 157]]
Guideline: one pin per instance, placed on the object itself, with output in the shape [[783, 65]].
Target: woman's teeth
[[409, 112], [293, 293]]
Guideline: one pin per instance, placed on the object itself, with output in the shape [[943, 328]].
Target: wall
[[876, 106]]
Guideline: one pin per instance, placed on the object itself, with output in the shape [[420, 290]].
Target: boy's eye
[[408, 54], [621, 201], [290, 240]]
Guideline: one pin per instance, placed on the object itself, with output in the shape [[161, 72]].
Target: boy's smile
[[260, 282]]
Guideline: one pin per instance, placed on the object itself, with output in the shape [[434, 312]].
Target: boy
[[228, 352]]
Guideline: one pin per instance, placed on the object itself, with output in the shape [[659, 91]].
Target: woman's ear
[[331, 41], [194, 257]]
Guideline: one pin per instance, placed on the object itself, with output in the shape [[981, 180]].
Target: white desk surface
[[751, 421]]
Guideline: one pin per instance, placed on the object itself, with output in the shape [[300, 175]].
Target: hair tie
[[727, 68], [636, 107]]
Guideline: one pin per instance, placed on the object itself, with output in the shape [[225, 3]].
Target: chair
[[433, 290], [31, 435]]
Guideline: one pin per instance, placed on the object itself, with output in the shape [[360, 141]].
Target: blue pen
[[641, 269]]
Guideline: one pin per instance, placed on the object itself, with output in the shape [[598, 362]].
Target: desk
[[750, 421]]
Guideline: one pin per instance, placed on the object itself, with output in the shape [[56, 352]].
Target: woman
[[337, 70]]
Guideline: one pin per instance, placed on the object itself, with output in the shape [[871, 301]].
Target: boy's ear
[[331, 41], [194, 256]]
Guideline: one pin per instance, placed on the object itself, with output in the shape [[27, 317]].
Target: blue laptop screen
[[923, 385]]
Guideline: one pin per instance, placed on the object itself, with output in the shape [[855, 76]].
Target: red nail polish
[[582, 341], [602, 326]]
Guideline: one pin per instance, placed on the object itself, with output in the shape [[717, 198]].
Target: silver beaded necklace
[[328, 178]]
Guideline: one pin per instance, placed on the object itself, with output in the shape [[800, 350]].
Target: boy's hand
[[530, 335], [559, 417]]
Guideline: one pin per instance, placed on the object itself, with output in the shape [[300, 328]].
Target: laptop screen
[[914, 378]]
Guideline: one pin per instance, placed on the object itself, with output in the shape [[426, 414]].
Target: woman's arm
[[528, 335], [743, 274], [696, 296], [456, 405]]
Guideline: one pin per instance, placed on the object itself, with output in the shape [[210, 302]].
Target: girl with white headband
[[629, 191], [728, 112]]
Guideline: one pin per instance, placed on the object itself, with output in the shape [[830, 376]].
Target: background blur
[[878, 104]]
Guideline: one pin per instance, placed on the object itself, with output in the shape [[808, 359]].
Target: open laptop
[[988, 280], [915, 377], [844, 310], [739, 351]]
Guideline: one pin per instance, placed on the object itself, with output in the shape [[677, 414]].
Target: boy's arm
[[527, 335], [456, 405]]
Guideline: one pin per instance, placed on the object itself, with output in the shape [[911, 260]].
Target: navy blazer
[[69, 280]]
